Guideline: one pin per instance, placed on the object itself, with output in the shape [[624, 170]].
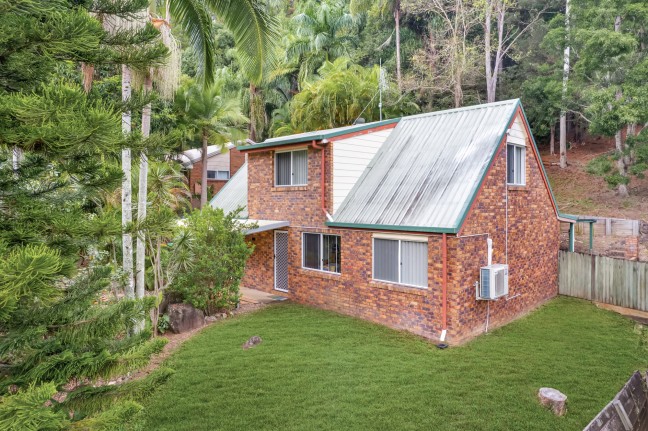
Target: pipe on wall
[[444, 287], [321, 147]]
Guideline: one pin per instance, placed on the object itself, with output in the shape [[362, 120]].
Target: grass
[[317, 370]]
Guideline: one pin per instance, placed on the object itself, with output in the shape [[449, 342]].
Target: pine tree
[[58, 328]]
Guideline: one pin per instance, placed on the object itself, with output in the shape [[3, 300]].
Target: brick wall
[[532, 253], [300, 205], [259, 271], [533, 242]]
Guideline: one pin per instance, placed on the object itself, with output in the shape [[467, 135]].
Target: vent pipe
[[489, 241]]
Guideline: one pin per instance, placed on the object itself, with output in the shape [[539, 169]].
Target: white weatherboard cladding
[[517, 134], [429, 168], [219, 162], [350, 158]]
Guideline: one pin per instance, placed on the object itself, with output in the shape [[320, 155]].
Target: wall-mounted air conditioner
[[493, 281]]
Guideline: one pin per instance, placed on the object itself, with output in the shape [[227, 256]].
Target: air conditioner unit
[[493, 281]]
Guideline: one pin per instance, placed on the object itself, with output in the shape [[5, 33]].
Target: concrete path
[[252, 296]]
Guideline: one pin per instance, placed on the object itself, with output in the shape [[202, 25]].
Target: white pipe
[[443, 334], [489, 241]]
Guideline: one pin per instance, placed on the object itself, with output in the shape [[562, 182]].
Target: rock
[[554, 399], [253, 341], [184, 317], [211, 319]]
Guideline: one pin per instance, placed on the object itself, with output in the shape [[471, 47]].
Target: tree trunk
[[563, 111], [203, 181], [253, 114], [397, 16], [622, 189], [622, 163], [127, 210], [552, 139], [487, 50], [142, 192], [87, 70]]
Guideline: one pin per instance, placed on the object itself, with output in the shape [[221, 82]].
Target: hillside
[[578, 192]]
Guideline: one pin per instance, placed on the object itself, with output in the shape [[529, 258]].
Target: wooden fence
[[603, 279], [628, 411]]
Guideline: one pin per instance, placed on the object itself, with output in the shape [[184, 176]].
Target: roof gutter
[[321, 147]]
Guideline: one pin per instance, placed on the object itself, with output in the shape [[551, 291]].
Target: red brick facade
[[194, 175], [533, 235]]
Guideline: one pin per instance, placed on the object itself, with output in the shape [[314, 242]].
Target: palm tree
[[253, 28], [213, 116], [323, 33]]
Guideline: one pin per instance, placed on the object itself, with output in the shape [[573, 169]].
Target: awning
[[256, 226]]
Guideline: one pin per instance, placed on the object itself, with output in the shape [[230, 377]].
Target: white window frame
[[321, 251], [400, 239], [515, 160], [216, 171], [291, 151]]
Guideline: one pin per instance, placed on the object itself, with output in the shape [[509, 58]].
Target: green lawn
[[317, 370]]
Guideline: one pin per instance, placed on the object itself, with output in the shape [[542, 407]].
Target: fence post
[[593, 278]]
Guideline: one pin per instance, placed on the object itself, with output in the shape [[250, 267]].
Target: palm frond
[[196, 22], [255, 34]]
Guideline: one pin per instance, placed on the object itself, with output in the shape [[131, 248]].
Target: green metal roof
[[428, 172], [316, 135]]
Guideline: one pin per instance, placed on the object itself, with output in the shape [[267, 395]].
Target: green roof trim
[[317, 135], [392, 227]]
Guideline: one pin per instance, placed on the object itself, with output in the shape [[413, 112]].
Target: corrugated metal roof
[[316, 135], [234, 194], [193, 155], [426, 174]]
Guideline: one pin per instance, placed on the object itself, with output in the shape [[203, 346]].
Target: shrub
[[218, 255]]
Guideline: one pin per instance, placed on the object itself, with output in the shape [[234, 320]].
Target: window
[[291, 168], [218, 175], [321, 252], [515, 162], [400, 261]]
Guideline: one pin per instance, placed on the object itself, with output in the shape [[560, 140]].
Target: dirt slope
[[578, 192]]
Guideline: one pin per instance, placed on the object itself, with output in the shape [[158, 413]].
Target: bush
[[218, 255]]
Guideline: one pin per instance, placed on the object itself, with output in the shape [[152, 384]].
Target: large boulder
[[184, 317]]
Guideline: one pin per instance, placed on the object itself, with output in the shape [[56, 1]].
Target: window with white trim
[[515, 165], [291, 168], [321, 252], [400, 261], [218, 175]]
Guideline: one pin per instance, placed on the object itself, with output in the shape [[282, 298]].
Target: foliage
[[253, 29], [342, 93], [163, 323], [323, 32], [218, 255], [27, 410], [91, 399]]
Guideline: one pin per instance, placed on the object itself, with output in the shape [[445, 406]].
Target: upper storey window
[[515, 166], [291, 168]]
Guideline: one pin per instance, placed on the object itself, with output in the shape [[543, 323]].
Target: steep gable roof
[[426, 174]]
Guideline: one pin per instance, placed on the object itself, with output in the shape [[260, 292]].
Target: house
[[393, 221], [221, 165]]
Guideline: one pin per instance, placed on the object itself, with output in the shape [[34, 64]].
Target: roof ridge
[[462, 109]]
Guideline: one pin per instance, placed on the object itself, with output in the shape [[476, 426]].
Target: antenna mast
[[380, 86]]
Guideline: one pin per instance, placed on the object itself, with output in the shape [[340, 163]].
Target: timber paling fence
[[628, 411], [603, 279]]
